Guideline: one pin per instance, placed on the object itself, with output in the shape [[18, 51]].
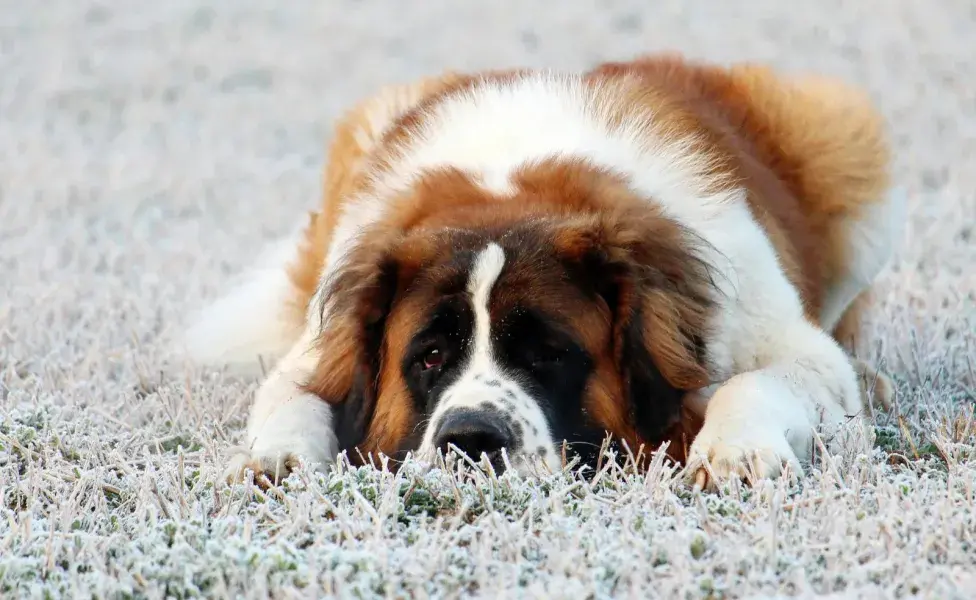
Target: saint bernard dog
[[516, 264]]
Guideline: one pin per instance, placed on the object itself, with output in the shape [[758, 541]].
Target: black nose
[[473, 433]]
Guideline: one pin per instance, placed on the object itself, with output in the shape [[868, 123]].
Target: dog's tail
[[256, 321]]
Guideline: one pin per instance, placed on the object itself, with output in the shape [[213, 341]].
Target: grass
[[81, 516]]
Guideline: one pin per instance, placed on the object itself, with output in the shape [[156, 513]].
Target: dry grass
[[147, 150]]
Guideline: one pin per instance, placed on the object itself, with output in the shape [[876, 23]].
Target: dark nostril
[[473, 433]]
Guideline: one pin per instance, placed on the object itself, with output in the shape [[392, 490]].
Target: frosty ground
[[149, 150]]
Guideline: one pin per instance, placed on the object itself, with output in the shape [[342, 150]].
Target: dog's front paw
[[286, 428], [269, 468], [722, 453]]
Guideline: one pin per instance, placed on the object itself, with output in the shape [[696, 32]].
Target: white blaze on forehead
[[482, 381], [487, 268]]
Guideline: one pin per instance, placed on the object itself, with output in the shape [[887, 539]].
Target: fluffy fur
[[678, 240]]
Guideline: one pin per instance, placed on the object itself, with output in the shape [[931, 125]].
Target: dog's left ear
[[650, 273]]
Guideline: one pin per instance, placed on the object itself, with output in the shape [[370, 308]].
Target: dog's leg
[[760, 420], [867, 241], [286, 423], [778, 375]]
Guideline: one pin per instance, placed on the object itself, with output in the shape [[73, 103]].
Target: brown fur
[[810, 154], [810, 151]]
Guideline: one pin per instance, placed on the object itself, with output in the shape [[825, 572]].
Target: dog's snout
[[474, 433]]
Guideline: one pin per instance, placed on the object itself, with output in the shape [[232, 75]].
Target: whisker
[[584, 444], [422, 423]]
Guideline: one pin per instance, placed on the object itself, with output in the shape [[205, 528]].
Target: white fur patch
[[487, 268]]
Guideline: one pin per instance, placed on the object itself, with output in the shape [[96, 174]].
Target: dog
[[507, 263]]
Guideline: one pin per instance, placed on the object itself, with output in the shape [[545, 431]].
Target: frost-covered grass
[[89, 511], [149, 149]]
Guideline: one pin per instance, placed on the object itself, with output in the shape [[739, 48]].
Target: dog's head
[[563, 312]]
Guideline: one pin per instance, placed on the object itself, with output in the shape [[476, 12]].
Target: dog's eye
[[433, 358], [544, 355]]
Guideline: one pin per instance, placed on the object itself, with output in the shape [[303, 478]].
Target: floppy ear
[[658, 289], [358, 301]]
